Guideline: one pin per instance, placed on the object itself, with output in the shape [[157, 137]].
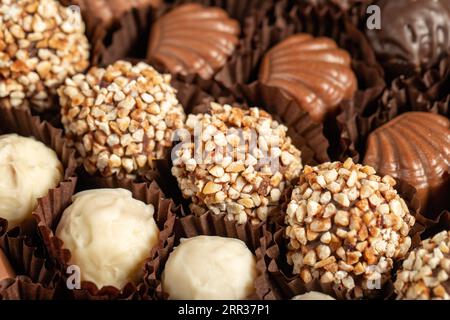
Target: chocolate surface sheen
[[192, 39], [415, 147], [314, 71], [413, 35]]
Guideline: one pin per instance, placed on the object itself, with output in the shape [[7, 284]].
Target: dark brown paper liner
[[21, 122], [285, 285], [49, 213], [36, 277], [286, 19], [254, 236]]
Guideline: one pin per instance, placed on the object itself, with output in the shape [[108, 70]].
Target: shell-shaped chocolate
[[414, 34], [313, 71], [193, 39], [414, 147]]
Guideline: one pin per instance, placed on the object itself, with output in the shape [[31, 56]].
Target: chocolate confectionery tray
[[224, 150]]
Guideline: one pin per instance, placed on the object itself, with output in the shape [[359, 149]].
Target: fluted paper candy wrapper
[[23, 123], [285, 285], [254, 236], [49, 213], [36, 278]]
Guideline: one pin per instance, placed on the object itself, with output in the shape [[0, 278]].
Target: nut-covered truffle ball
[[346, 227], [120, 118], [238, 163], [425, 273], [41, 43]]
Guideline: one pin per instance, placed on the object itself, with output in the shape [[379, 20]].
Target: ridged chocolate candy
[[193, 39], [314, 71], [413, 34], [415, 147]]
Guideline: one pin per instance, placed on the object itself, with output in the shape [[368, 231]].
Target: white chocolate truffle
[[210, 268], [313, 295], [28, 169], [109, 235]]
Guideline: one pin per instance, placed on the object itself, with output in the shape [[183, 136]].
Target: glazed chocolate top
[[414, 147], [108, 10], [314, 71], [413, 35], [192, 39]]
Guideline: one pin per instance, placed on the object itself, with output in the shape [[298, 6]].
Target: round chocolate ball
[[28, 170], [346, 227], [425, 272], [109, 235], [238, 163], [120, 119], [414, 34], [210, 268], [41, 43]]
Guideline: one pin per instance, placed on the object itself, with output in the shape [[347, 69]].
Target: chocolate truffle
[[313, 71], [6, 270], [109, 235], [415, 147], [120, 118], [313, 295], [41, 43], [28, 169], [239, 163], [210, 268], [193, 39], [413, 34], [108, 11], [425, 273], [346, 227]]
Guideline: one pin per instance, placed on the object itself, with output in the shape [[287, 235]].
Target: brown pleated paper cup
[[254, 236], [48, 215], [36, 277]]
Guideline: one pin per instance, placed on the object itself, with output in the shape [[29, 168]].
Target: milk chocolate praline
[[193, 39], [413, 34], [313, 71], [415, 147]]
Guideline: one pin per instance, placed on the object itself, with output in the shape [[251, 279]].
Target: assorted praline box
[[222, 149]]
